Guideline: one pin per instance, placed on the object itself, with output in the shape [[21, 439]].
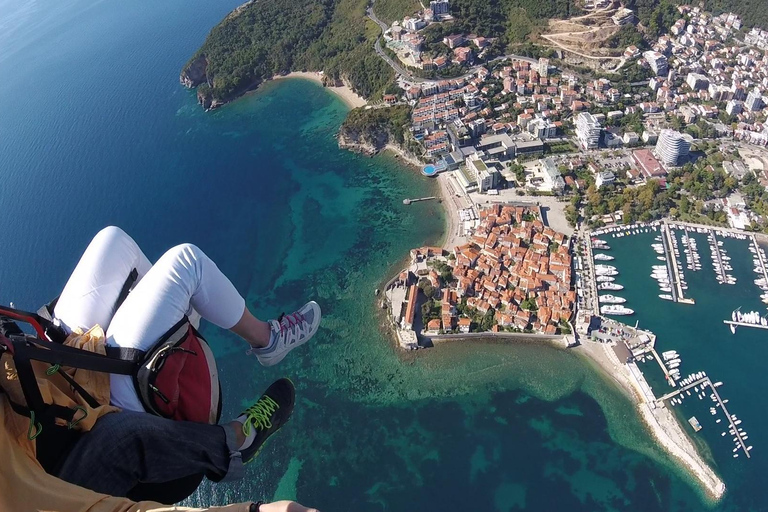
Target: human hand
[[285, 506]]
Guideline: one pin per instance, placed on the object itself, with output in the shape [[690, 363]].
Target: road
[[414, 79]]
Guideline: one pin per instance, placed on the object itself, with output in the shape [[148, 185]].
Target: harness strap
[[133, 355], [70, 356], [125, 290]]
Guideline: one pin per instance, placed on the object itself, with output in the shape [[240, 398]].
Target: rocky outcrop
[[363, 142], [194, 73]]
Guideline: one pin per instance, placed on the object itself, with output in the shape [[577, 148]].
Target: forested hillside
[[263, 39]]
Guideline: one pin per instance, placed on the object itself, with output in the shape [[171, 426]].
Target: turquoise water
[[697, 333], [96, 130]]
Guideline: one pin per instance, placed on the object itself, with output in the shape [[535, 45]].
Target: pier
[[705, 382], [720, 269], [744, 324], [590, 278], [669, 378], [689, 245], [672, 269], [760, 257], [416, 200]]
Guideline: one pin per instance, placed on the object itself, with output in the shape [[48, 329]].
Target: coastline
[[660, 422], [451, 237], [344, 92]]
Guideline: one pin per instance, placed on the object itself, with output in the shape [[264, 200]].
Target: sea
[[96, 130]]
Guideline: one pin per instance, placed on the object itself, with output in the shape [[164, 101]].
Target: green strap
[[53, 369], [72, 424], [38, 428]]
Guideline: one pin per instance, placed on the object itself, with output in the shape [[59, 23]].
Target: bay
[[96, 130]]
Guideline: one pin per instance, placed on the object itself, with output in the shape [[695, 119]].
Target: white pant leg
[[182, 279], [92, 290]]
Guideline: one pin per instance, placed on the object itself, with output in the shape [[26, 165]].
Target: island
[[548, 126]]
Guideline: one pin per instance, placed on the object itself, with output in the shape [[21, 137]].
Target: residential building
[[552, 176], [754, 100], [543, 67], [734, 107], [604, 178], [673, 146], [697, 81], [657, 61], [487, 178], [439, 7], [588, 130], [623, 16]]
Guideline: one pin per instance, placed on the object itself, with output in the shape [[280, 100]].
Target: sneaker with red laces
[[289, 332]]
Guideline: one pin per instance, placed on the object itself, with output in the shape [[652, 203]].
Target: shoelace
[[259, 415], [290, 322]]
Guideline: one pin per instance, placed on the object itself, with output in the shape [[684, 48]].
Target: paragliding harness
[[170, 380]]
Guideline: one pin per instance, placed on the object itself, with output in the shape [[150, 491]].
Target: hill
[[259, 40]]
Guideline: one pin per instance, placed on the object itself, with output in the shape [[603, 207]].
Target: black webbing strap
[[69, 356], [43, 413], [126, 354], [125, 290], [80, 389]]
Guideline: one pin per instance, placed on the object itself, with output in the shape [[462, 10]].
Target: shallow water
[[95, 130]]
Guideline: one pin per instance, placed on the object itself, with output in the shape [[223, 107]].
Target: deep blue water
[[96, 130]]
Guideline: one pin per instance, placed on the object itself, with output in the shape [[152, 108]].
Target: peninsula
[[546, 125]]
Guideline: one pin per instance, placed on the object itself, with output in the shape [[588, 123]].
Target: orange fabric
[[24, 484]]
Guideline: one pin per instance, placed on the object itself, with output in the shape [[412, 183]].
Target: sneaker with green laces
[[266, 416]]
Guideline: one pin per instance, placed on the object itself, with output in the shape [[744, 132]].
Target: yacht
[[610, 286], [665, 296], [606, 272], [605, 279], [611, 299], [603, 257], [616, 309]]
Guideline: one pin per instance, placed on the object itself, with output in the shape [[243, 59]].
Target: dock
[[719, 270], [591, 278], [416, 200], [760, 257], [689, 246], [744, 324], [669, 378], [734, 430], [672, 268]]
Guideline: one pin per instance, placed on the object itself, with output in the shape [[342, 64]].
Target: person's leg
[[183, 279], [90, 294], [127, 448]]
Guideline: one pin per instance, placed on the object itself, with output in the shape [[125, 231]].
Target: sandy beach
[[347, 95], [660, 421]]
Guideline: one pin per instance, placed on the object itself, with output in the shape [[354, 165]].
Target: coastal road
[[414, 79]]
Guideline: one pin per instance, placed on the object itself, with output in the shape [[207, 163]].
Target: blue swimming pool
[[429, 170]]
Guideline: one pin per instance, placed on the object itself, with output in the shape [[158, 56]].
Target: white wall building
[[588, 130], [672, 146], [754, 100], [657, 61]]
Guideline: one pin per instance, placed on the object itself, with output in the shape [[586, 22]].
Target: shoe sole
[[276, 360]]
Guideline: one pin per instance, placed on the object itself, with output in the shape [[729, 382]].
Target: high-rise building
[[657, 61], [754, 100], [543, 67], [672, 146], [439, 7], [588, 130]]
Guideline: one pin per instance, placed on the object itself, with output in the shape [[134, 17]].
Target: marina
[[675, 248], [733, 421]]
